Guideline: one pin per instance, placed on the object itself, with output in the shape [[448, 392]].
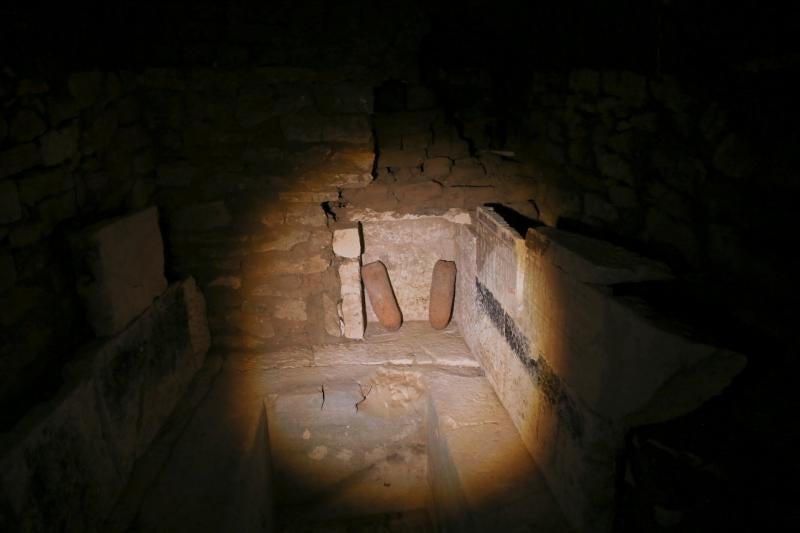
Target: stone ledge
[[66, 462]]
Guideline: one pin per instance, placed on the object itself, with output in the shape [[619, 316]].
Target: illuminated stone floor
[[400, 432]]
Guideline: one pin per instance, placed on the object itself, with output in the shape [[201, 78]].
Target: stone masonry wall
[[648, 161], [575, 366], [72, 151], [249, 161]]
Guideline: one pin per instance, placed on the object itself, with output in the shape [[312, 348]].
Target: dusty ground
[[393, 433]]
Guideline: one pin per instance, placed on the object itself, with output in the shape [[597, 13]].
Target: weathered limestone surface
[[482, 477], [573, 366], [409, 246], [65, 463], [352, 307], [347, 243], [121, 269]]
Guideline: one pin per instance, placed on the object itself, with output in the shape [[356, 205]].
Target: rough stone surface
[[409, 247], [25, 126], [477, 462], [330, 316], [8, 272], [18, 158], [352, 301], [121, 269], [201, 217], [59, 145], [10, 209], [347, 242], [381, 295]]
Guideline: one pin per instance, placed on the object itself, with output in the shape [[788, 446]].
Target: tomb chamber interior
[[397, 266]]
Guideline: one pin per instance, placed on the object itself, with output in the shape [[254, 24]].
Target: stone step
[[482, 476]]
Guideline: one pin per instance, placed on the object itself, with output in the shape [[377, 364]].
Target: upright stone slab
[[352, 305], [120, 268]]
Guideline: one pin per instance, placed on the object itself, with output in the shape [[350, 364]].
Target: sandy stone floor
[[338, 437]]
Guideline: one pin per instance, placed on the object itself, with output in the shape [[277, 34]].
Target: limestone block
[[8, 272], [306, 215], [345, 98], [415, 193], [401, 158], [291, 309], [309, 197], [280, 240], [352, 305], [354, 129], [120, 266], [256, 107], [347, 242], [409, 249], [299, 127], [57, 208], [453, 148], [270, 263], [86, 86], [614, 166], [19, 158], [175, 174], [419, 98], [377, 196], [25, 126], [437, 168], [584, 81], [595, 207], [593, 260], [45, 182], [356, 159], [59, 145], [629, 86], [735, 156], [469, 435], [201, 217], [330, 317], [10, 209]]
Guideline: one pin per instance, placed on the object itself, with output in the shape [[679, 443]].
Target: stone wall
[[249, 162], [409, 246], [72, 151], [575, 366], [672, 170]]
